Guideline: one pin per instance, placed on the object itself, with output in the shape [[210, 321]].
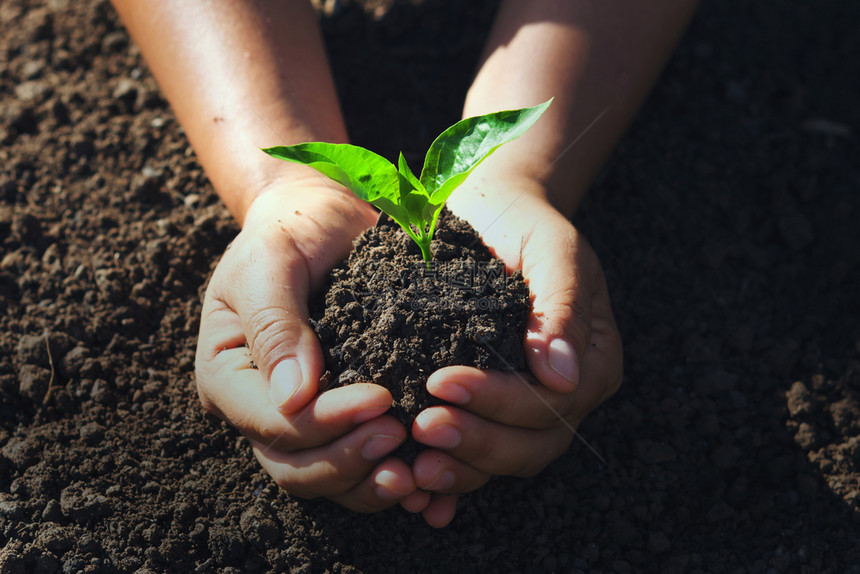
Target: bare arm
[[240, 76], [598, 58]]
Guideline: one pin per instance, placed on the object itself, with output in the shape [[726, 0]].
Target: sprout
[[415, 203]]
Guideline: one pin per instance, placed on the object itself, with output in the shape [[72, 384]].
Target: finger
[[441, 510], [511, 399], [416, 502], [604, 362], [389, 483], [337, 467], [441, 473], [506, 398], [562, 273], [490, 447], [602, 371], [560, 268], [239, 394], [292, 236], [261, 288]]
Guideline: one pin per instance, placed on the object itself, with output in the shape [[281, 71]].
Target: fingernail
[[286, 380], [444, 481], [443, 436], [453, 394], [562, 360], [367, 414], [379, 445], [386, 487]]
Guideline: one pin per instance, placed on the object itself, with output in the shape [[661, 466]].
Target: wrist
[[318, 222], [504, 211], [303, 190], [540, 186], [330, 204], [495, 191], [253, 178]]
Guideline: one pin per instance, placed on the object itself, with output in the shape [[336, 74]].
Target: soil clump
[[386, 318]]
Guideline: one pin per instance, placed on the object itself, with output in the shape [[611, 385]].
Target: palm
[[504, 419]]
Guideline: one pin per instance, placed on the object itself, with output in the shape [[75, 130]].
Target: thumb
[[270, 298], [561, 270]]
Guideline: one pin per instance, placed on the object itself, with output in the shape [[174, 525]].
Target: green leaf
[[413, 196], [366, 174], [395, 211], [414, 203], [407, 174], [462, 147]]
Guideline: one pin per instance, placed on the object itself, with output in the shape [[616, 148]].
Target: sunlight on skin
[[233, 62]]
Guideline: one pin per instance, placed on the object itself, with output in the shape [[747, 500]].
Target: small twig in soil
[[51, 363]]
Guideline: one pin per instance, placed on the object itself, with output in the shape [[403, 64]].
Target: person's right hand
[[332, 444]]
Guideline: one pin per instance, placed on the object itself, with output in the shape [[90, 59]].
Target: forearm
[[240, 75], [597, 58]]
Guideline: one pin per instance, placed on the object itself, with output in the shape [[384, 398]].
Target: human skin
[[598, 59], [245, 75]]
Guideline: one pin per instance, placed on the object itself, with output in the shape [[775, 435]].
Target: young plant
[[415, 202]]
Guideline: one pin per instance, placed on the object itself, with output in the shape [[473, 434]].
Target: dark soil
[[386, 318], [726, 222]]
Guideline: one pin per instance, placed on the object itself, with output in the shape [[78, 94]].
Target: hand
[[502, 425], [331, 444]]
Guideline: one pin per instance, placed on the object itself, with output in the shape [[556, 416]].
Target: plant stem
[[422, 238], [425, 251]]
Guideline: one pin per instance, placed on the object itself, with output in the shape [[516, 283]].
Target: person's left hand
[[502, 424]]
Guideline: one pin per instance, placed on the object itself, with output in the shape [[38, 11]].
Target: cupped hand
[[503, 423], [259, 362]]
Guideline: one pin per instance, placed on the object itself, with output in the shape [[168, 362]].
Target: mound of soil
[[726, 222], [386, 318]]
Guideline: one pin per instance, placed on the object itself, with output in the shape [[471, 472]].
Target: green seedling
[[415, 202]]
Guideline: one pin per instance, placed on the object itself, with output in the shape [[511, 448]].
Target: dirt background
[[726, 222]]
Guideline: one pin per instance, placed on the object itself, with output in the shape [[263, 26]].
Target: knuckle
[[201, 376], [495, 408], [245, 422], [207, 403], [545, 451], [269, 340], [536, 462], [335, 484], [344, 478], [578, 324], [360, 504], [203, 393], [544, 408], [236, 265], [332, 480], [568, 312], [270, 435], [528, 470], [211, 376], [484, 452], [549, 417]]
